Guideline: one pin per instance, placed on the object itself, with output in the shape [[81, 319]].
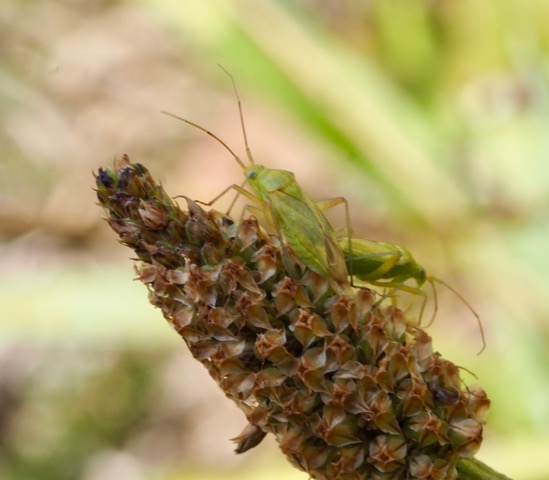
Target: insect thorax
[[265, 180]]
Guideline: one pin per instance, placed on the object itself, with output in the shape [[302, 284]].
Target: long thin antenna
[[248, 151], [205, 130]]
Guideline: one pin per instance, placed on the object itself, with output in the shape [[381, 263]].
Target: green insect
[[287, 208], [388, 265]]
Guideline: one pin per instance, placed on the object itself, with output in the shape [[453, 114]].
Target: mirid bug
[[298, 220], [388, 265]]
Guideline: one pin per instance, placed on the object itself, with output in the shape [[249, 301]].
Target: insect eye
[[251, 174]]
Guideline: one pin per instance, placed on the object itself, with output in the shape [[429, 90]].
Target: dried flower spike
[[347, 386]]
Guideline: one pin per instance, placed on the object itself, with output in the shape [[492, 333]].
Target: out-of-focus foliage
[[95, 413], [79, 405], [429, 116]]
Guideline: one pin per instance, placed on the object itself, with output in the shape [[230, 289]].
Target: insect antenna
[[205, 130], [431, 280], [248, 151]]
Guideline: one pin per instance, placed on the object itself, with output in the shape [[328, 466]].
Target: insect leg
[[398, 285], [468, 305], [332, 202], [435, 303], [240, 190], [288, 265], [268, 214]]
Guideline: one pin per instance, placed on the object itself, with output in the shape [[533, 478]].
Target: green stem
[[473, 469]]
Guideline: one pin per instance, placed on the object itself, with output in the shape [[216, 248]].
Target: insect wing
[[309, 235]]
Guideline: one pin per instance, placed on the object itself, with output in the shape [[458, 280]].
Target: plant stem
[[473, 469]]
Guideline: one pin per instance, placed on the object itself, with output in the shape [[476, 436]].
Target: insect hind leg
[[396, 285], [333, 202], [467, 304]]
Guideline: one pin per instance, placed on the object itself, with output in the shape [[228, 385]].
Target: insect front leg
[[240, 190]]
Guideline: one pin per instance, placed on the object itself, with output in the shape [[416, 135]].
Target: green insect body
[[305, 228], [382, 263], [296, 218], [388, 265]]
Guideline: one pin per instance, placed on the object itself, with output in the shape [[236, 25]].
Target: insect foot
[[349, 389]]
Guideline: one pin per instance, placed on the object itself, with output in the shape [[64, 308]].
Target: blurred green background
[[429, 116]]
